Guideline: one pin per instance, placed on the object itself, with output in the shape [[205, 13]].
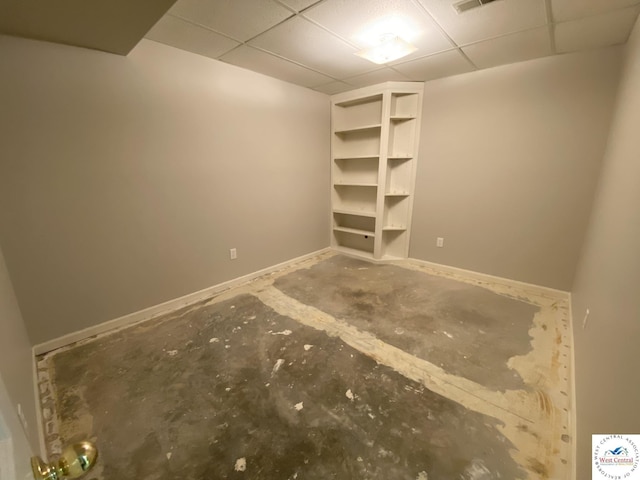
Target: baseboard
[[41, 443], [574, 414], [547, 291], [163, 308]]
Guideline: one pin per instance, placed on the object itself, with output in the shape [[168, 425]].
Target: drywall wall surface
[[16, 364], [124, 181], [509, 159], [15, 451], [608, 281]]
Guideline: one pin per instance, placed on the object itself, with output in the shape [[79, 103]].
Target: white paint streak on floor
[[277, 366], [241, 465], [286, 333], [477, 471]]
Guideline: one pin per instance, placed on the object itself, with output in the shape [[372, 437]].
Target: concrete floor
[[333, 368]]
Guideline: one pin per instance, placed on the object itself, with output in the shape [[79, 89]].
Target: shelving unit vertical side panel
[[332, 177], [382, 173], [414, 168]]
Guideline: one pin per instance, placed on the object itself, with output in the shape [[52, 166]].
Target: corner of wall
[[606, 280]]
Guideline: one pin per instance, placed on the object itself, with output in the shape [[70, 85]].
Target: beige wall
[[16, 365], [15, 451], [509, 159], [608, 281], [124, 181]]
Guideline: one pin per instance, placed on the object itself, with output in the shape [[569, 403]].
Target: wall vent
[[466, 5]]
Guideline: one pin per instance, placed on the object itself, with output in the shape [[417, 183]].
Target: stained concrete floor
[[333, 368]]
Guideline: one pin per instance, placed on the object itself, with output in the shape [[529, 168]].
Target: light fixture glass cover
[[389, 49]]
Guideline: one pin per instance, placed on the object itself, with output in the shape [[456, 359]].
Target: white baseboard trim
[[163, 308], [41, 443], [191, 298], [547, 291], [573, 415]]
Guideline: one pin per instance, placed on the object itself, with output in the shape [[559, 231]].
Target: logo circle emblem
[[616, 456]]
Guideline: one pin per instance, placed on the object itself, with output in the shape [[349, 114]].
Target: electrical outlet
[[233, 254], [440, 242]]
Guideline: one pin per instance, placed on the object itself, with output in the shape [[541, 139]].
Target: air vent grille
[[467, 5]]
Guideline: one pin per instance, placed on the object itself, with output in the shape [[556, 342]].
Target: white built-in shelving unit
[[374, 148]]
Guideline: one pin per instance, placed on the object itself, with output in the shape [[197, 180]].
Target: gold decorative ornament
[[75, 461]]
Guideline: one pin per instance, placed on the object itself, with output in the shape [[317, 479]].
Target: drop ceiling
[[312, 43]]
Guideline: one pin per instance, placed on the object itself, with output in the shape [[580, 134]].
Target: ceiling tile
[[240, 19], [267, 64], [299, 5], [564, 10], [377, 76], [186, 36], [362, 22], [516, 47], [334, 87], [435, 66], [491, 20], [603, 30], [306, 43]]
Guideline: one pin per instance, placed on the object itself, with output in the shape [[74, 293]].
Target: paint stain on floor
[[233, 388], [467, 330]]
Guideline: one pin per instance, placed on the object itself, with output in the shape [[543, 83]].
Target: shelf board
[[361, 128], [394, 228], [355, 184], [355, 231], [358, 157], [360, 213], [397, 194], [402, 118], [400, 156], [376, 97]]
